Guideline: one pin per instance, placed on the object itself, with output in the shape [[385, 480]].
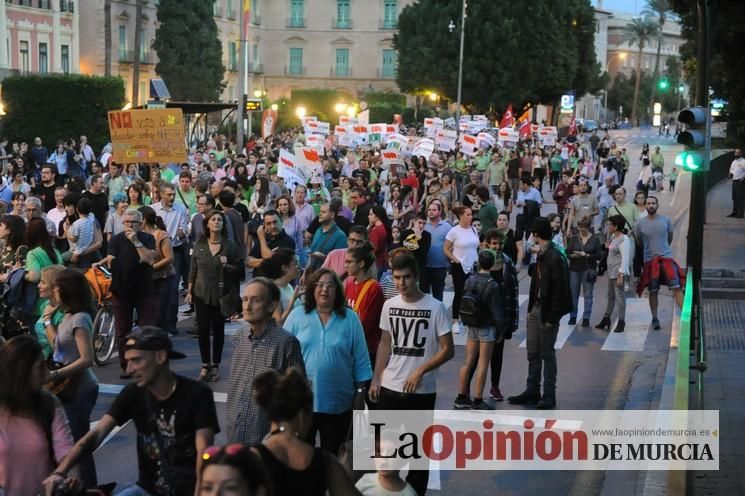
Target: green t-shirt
[[36, 260], [497, 172], [39, 330], [167, 175], [555, 163], [482, 162], [190, 197], [460, 166]]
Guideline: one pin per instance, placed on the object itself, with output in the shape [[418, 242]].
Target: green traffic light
[[663, 84], [689, 161]]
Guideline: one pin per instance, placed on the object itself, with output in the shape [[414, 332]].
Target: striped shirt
[[275, 349], [84, 230]]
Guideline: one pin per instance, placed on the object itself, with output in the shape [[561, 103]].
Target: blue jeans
[[78, 412], [433, 277], [577, 279], [167, 291], [134, 491]]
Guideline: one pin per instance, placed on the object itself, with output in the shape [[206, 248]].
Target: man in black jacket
[[549, 301]]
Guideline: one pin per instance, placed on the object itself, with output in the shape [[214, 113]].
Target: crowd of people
[[340, 281]]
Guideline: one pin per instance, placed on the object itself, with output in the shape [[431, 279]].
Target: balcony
[[340, 72], [341, 23], [255, 19], [128, 57], [295, 22], [389, 24], [295, 71], [255, 68], [232, 15], [217, 10]]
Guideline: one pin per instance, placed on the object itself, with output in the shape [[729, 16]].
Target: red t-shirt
[[369, 309], [379, 239], [412, 181]]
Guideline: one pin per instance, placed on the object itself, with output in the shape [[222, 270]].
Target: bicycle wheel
[[104, 335]]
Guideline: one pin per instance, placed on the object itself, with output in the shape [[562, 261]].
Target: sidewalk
[[724, 331]]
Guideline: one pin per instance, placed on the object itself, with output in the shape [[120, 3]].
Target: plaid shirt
[[275, 349]]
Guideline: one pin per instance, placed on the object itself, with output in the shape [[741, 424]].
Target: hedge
[[57, 106]]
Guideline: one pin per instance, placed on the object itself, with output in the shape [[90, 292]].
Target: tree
[[638, 32], [138, 48], [725, 67], [659, 9], [189, 51], [107, 37], [514, 52]]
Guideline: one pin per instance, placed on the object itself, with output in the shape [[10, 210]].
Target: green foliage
[[726, 33], [383, 112], [189, 50], [384, 97], [57, 106], [515, 52]]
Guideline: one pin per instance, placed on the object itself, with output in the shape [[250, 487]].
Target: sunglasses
[[230, 449]]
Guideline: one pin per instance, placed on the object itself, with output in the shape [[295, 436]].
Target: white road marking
[[638, 319]]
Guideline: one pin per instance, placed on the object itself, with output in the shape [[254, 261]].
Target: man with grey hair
[[33, 210], [130, 259]]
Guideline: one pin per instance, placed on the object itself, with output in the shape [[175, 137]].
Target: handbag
[[62, 387], [230, 302]]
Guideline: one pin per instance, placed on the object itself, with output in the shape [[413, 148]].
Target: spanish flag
[[246, 16]]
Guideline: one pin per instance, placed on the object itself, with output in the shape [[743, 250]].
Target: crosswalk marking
[[638, 318], [565, 330]]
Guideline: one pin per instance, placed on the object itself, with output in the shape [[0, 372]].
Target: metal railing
[[128, 56], [388, 24], [295, 71], [256, 68], [385, 74], [341, 23], [340, 72], [295, 22]]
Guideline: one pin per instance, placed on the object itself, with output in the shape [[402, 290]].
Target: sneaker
[[189, 311], [525, 398], [572, 320], [585, 322], [496, 394], [462, 403], [655, 324], [480, 404]]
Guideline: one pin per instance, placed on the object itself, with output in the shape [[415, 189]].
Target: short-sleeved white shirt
[[465, 246], [415, 329]]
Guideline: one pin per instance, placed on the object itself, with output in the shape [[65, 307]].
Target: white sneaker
[[456, 328]]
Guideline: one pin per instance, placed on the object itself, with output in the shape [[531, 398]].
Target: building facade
[[39, 36]]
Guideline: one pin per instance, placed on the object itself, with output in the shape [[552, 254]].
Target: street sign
[[254, 105]]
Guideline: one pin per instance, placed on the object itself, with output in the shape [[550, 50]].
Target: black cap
[[542, 227], [151, 338]]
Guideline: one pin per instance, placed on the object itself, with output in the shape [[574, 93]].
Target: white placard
[[469, 144], [445, 139], [423, 148]]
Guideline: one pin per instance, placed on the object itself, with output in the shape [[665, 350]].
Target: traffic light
[[694, 138], [663, 84]]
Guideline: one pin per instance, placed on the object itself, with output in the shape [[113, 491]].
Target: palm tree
[[136, 61], [659, 9], [107, 37], [639, 32]]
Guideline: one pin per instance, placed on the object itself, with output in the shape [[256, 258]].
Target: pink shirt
[[335, 261], [24, 455]]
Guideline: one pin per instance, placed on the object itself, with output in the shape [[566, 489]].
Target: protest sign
[[345, 120], [445, 139], [377, 133], [391, 157], [309, 162], [153, 135], [397, 142], [423, 148], [317, 127], [315, 141], [486, 140], [469, 144], [308, 118], [508, 137], [288, 170]]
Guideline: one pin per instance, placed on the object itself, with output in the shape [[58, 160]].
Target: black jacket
[[507, 278], [554, 293], [483, 284]]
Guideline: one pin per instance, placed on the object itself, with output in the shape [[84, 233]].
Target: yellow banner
[[142, 136]]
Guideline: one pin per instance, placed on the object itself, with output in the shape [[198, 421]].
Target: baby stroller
[[17, 302]]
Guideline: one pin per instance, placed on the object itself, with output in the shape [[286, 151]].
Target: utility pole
[[242, 53], [460, 66]]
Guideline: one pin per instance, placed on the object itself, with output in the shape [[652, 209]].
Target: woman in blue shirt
[[335, 355]]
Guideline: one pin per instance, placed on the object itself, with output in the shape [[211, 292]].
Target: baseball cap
[[151, 338]]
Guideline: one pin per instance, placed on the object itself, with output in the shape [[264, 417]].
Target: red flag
[[508, 119], [573, 126], [524, 128]]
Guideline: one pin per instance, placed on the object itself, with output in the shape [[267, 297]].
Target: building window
[[390, 61], [390, 14], [65, 58], [122, 43], [255, 54], [342, 14], [297, 9], [342, 62], [25, 66], [232, 56], [143, 47], [296, 62], [43, 58]]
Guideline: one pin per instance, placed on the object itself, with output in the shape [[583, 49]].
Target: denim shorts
[[481, 334]]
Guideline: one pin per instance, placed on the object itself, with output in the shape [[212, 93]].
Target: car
[[589, 126]]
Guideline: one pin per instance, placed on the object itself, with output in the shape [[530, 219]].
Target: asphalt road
[[597, 370]]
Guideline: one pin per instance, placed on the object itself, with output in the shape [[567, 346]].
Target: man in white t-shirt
[[415, 342]]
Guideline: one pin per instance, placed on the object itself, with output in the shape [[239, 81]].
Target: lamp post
[[451, 27], [621, 56], [681, 89]]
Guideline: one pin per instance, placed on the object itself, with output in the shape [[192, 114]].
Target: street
[[597, 369]]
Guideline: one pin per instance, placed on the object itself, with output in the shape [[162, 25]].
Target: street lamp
[[258, 93], [275, 107], [351, 110], [451, 27], [621, 56], [433, 96], [300, 112], [340, 107]]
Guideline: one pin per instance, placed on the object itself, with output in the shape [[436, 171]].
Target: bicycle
[[104, 329]]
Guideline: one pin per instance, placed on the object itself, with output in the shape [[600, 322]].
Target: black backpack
[[474, 309]]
